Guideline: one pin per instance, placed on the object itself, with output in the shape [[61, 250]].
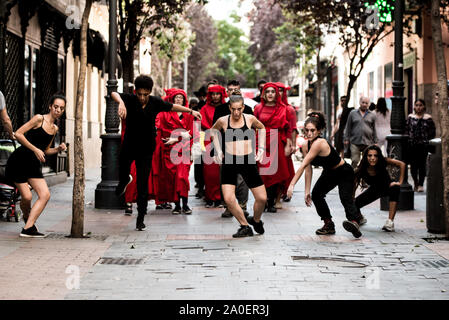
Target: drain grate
[[121, 261], [329, 262], [56, 235], [437, 264]]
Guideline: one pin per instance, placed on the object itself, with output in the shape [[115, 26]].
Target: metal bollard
[[435, 216]]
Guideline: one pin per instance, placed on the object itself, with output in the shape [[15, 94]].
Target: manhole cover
[[329, 262], [121, 261]]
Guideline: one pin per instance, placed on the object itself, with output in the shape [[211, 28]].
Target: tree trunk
[[318, 82], [79, 179], [442, 101]]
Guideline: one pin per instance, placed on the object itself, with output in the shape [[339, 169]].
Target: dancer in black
[[239, 158], [140, 111], [24, 166], [372, 171], [336, 172]]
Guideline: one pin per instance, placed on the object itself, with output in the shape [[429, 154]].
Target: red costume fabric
[[211, 171], [292, 120], [131, 189], [168, 180], [274, 118]]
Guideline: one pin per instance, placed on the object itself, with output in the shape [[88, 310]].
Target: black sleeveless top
[[327, 162], [239, 134]]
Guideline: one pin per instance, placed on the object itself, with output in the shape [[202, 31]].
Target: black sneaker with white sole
[[32, 233], [258, 226], [353, 227], [243, 231], [186, 210], [121, 188], [140, 226]]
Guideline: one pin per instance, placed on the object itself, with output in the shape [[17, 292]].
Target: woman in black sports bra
[[239, 158], [24, 166], [336, 172]]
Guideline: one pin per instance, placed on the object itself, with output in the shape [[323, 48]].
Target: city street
[[195, 257]]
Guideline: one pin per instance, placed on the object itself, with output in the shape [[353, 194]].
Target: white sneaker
[[389, 226]]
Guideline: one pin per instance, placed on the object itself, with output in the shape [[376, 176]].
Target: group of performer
[[242, 149]]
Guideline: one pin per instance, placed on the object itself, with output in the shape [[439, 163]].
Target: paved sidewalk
[[195, 257]]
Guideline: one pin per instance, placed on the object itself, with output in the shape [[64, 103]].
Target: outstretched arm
[[179, 108]]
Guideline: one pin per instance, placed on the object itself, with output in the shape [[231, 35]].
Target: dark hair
[[262, 81], [143, 82], [422, 101], [317, 119], [213, 81], [382, 106], [372, 106], [235, 98], [193, 100], [361, 172], [57, 96], [233, 83]]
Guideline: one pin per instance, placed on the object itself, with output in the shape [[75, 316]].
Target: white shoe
[[389, 226]]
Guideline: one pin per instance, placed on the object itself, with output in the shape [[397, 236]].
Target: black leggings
[[374, 192], [418, 162], [343, 177]]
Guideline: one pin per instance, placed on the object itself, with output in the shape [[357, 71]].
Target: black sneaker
[[209, 204], [246, 213], [218, 204], [167, 205], [140, 226], [176, 210], [328, 228], [244, 231], [226, 214], [272, 209], [286, 199], [258, 226], [129, 209], [353, 227], [31, 233], [159, 207], [199, 194], [361, 220], [121, 188], [186, 210]]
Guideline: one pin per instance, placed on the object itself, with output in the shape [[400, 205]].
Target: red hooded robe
[[169, 181], [211, 171], [274, 117]]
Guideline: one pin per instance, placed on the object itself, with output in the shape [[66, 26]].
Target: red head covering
[[284, 94], [271, 85], [172, 93], [218, 89]]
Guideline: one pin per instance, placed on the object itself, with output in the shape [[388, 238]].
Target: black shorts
[[249, 173]]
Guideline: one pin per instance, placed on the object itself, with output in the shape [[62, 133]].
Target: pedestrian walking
[[360, 130], [169, 180], [274, 116], [24, 166], [420, 129], [372, 171], [336, 172], [6, 121], [383, 129], [140, 111], [337, 135], [241, 190], [239, 158]]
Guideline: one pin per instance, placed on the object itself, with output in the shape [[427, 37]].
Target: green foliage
[[235, 62], [385, 9]]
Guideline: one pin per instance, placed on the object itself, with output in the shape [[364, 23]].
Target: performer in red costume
[[215, 96], [169, 178], [274, 116]]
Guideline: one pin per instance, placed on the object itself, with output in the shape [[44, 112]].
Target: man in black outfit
[[140, 111], [241, 190]]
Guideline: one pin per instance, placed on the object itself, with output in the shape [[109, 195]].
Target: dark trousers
[[143, 167], [272, 193], [374, 192], [418, 162], [343, 177], [198, 173]]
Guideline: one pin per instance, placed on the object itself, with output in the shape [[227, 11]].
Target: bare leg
[[25, 199], [231, 203], [392, 211], [260, 199], [43, 194]]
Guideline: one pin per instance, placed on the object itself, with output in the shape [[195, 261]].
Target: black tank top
[[328, 162], [239, 134], [39, 137]]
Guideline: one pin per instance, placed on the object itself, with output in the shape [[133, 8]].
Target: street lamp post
[[397, 140], [105, 197]]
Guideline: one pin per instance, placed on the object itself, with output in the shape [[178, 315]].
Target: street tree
[[439, 11], [142, 17], [77, 230], [276, 58], [203, 54]]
